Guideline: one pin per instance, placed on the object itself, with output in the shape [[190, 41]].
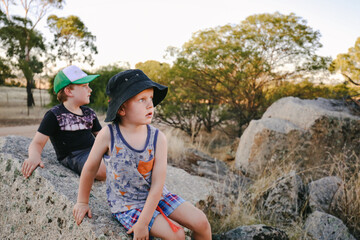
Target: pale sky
[[139, 30]]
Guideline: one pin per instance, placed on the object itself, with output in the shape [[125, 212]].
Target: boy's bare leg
[[194, 219], [101, 174], [162, 229]]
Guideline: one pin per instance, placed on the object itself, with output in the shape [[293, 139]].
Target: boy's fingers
[[89, 213], [23, 169], [130, 231], [79, 217], [41, 164], [27, 171]]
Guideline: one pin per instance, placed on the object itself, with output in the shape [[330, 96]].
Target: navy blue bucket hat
[[127, 84]]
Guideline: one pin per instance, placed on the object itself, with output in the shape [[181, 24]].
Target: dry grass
[[347, 167], [214, 144], [245, 209], [177, 144]]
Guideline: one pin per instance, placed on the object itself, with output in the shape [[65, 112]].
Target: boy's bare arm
[[92, 164], [34, 160], [157, 185]]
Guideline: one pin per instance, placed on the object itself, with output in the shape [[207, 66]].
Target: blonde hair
[[61, 95]]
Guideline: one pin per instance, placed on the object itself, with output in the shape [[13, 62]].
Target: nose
[[90, 89], [150, 103]]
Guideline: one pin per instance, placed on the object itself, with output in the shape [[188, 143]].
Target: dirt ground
[[14, 120]]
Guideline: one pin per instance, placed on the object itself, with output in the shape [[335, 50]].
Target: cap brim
[[86, 79]]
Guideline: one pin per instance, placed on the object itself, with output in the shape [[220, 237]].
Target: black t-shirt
[[69, 132]]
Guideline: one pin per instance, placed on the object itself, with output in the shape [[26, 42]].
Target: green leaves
[[71, 36], [348, 63]]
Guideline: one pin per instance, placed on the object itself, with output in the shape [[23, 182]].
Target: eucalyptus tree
[[230, 67], [21, 42], [71, 37], [349, 63]]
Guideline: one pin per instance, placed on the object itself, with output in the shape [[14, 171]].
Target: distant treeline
[[187, 107]]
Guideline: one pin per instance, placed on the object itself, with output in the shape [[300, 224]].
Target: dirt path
[[26, 131]]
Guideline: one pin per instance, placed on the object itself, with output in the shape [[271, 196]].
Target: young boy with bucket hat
[[135, 155], [70, 126]]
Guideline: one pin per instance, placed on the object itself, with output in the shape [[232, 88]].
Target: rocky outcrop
[[307, 133], [287, 203], [41, 207], [201, 164]]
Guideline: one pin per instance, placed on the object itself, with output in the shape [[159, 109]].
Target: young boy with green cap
[[70, 126]]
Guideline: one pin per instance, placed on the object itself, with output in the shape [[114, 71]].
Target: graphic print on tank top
[[129, 171]]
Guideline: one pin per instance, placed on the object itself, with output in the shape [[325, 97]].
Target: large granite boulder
[[308, 133], [41, 207]]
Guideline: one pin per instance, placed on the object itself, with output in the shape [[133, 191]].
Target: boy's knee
[[201, 223], [179, 235]]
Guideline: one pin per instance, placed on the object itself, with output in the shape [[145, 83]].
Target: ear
[[121, 111], [67, 91]]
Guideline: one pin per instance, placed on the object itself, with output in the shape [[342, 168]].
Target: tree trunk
[[30, 97], [25, 68]]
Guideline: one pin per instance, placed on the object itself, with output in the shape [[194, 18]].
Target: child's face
[[81, 93], [138, 110]]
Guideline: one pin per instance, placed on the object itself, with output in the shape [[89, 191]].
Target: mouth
[[149, 115]]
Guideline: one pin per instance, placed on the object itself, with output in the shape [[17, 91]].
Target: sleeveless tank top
[[129, 171]]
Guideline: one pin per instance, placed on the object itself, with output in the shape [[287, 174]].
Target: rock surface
[[283, 202], [253, 232], [325, 194], [322, 226], [41, 207], [308, 133]]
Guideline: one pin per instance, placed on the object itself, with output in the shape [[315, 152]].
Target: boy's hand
[[79, 212], [140, 231], [30, 165]]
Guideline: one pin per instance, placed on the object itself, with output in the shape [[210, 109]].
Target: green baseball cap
[[71, 75]]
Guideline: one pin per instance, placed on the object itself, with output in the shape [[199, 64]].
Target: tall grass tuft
[[347, 167]]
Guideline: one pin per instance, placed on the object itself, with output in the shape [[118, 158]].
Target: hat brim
[[160, 92], [86, 79]]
